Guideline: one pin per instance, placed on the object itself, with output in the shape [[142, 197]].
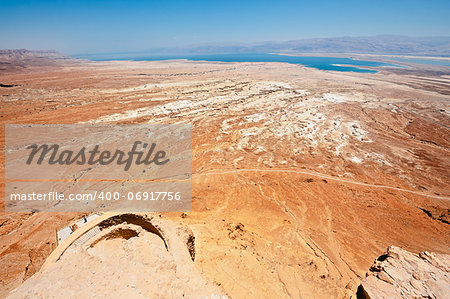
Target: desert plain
[[301, 177]]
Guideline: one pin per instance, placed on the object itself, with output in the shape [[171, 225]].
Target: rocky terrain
[[401, 274], [301, 177]]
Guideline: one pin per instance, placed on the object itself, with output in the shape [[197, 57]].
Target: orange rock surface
[[301, 177]]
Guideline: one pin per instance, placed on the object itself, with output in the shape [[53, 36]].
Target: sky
[[81, 27]]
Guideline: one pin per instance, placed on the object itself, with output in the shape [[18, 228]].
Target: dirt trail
[[320, 175]]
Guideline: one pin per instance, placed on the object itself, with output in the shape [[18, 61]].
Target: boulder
[[402, 274]]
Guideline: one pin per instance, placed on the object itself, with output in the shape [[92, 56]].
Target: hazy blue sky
[[109, 26]]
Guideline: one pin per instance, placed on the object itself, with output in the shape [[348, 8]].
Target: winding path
[[320, 175]]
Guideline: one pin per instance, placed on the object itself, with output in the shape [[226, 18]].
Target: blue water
[[321, 63], [423, 61]]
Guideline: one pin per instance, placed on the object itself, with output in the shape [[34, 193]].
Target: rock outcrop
[[402, 274]]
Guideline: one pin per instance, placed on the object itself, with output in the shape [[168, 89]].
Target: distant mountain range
[[22, 58], [380, 44]]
